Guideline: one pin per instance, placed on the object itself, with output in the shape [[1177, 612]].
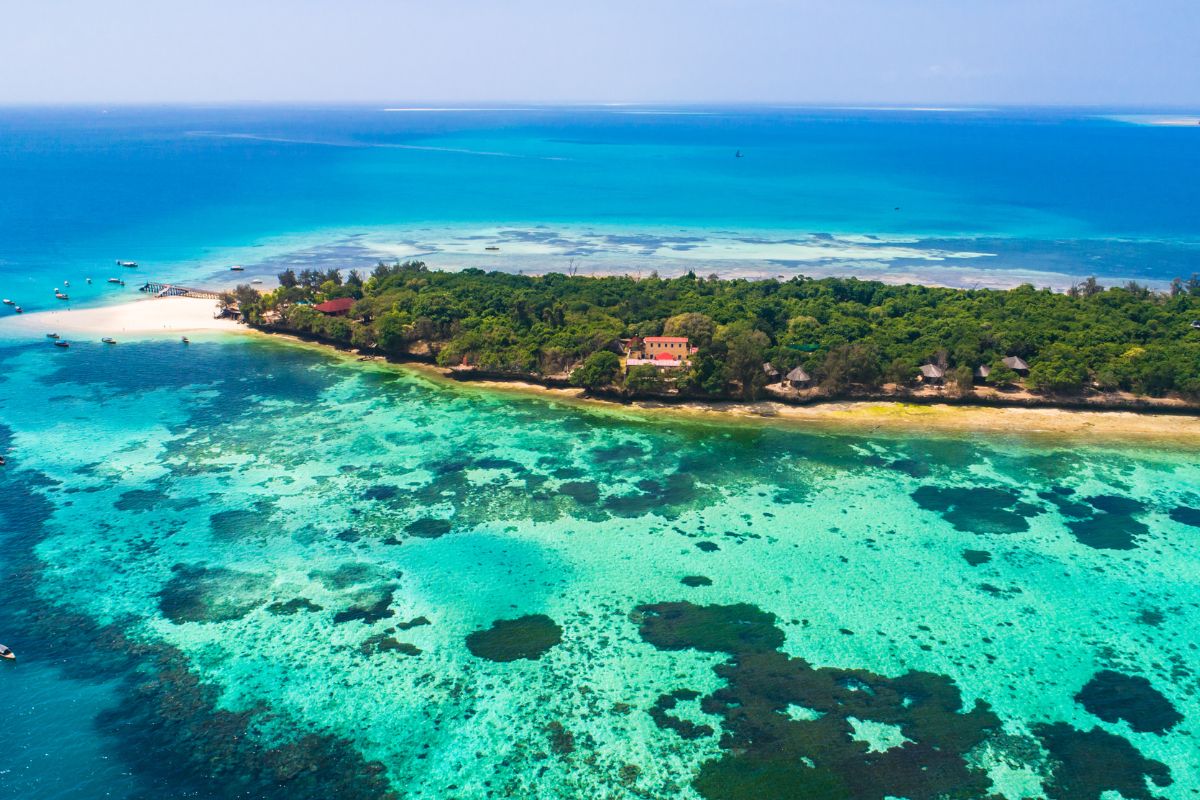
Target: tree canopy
[[848, 334]]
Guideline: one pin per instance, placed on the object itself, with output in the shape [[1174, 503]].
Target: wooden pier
[[172, 290]]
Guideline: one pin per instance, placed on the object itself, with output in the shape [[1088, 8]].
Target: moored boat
[[114, 280], [62, 296], [18, 309], [491, 247], [186, 340], [130, 264], [109, 340], [51, 335], [7, 653], [237, 268], [8, 302], [61, 343]]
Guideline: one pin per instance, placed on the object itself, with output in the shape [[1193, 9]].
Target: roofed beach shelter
[[336, 307], [798, 378], [1016, 364], [932, 373]]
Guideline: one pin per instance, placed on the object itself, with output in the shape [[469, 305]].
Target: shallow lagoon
[[256, 570]]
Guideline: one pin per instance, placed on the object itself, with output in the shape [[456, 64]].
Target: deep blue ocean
[[958, 197]]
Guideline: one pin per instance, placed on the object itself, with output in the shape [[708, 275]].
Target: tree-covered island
[[799, 339]]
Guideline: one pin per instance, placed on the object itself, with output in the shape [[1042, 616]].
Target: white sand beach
[[141, 317]]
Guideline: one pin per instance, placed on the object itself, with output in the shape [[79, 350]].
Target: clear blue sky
[[1083, 52]]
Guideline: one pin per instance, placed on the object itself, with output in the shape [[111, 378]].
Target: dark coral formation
[[586, 492], [198, 593], [666, 703], [382, 643], [739, 628], [285, 608], [1186, 515], [1089, 763], [369, 607], [771, 752], [527, 637], [976, 557], [768, 753], [165, 726], [428, 528], [978, 509], [695, 581], [1112, 696], [1105, 522]]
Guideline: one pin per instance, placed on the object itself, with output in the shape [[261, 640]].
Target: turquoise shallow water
[[248, 569]]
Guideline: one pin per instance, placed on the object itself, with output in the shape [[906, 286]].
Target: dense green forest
[[852, 336]]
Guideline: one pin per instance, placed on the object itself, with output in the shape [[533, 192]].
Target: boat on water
[[186, 340], [130, 264], [51, 335], [491, 247], [109, 340], [66, 283], [61, 343], [257, 280], [18, 309], [115, 280], [3, 461], [237, 268], [8, 302], [89, 280], [7, 653], [62, 296]]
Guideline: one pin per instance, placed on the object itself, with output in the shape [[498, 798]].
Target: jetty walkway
[[172, 290]]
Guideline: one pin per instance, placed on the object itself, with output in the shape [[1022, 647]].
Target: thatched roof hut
[[1016, 364], [932, 373], [798, 377], [770, 371], [982, 372]]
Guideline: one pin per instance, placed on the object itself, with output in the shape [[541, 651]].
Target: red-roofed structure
[[336, 307], [659, 351]]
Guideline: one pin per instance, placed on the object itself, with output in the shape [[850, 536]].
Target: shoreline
[[1171, 428], [144, 316], [1178, 425]]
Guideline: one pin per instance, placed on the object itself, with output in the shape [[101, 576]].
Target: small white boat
[[237, 268], [8, 302], [109, 340], [6, 653], [89, 280], [18, 309], [61, 343], [257, 280], [186, 340], [130, 264], [115, 280], [66, 283]]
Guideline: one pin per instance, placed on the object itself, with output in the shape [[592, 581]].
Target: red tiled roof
[[335, 306], [666, 340], [665, 357]]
